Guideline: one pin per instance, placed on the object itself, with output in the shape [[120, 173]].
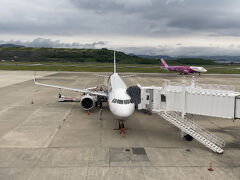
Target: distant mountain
[[10, 45], [223, 59], [69, 55]]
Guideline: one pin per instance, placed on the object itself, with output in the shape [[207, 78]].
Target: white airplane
[[119, 101]]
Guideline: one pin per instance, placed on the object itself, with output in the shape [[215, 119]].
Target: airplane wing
[[88, 91]]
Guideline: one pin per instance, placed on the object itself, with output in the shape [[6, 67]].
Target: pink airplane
[[183, 69]]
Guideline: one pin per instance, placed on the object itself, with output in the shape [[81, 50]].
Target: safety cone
[[210, 168], [88, 113], [32, 102]]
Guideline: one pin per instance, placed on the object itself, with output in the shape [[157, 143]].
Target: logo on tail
[[163, 63]]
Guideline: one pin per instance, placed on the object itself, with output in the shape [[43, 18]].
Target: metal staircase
[[188, 126]]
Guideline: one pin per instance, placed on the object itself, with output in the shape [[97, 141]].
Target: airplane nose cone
[[124, 111], [123, 114], [202, 69]]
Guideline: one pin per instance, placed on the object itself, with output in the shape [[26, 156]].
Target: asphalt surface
[[41, 138]]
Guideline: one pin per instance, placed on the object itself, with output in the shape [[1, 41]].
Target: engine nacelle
[[185, 71], [88, 102]]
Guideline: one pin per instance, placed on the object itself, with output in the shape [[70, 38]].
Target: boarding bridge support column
[[194, 81], [183, 104]]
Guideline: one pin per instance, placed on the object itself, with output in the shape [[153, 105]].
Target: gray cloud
[[139, 17], [41, 42], [130, 18], [167, 17], [205, 22]]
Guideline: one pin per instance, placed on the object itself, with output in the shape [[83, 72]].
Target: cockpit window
[[120, 101]]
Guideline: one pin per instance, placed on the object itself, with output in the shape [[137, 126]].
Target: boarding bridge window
[[114, 101], [163, 98], [120, 101]]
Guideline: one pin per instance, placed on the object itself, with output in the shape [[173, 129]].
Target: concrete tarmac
[[59, 140]]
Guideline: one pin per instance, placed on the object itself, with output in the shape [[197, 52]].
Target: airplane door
[[163, 102], [149, 99], [237, 108]]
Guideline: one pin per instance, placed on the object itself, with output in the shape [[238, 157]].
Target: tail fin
[[114, 65], [163, 63]]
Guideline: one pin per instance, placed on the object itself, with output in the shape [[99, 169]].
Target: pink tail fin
[[163, 63]]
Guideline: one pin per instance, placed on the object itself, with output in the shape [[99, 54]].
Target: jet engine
[[185, 71], [88, 102]]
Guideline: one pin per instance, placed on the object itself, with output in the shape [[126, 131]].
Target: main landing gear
[[121, 127]]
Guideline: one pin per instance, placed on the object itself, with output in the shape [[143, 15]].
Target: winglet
[[114, 65]]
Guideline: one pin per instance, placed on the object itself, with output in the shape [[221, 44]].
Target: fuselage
[[120, 103], [186, 69]]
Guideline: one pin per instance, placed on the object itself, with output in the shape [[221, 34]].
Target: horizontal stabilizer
[[129, 75], [102, 75]]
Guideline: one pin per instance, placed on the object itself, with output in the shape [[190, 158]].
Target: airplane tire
[[188, 137]]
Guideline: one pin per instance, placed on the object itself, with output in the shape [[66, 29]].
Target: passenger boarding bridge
[[173, 101]]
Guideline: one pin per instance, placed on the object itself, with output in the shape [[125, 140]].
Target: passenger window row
[[119, 101]]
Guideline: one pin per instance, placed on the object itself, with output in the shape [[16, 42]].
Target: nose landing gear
[[121, 127]]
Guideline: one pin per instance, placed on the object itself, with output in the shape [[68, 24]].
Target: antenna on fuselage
[[114, 65]]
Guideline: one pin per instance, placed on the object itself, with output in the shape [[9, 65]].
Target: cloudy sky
[[169, 27]]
